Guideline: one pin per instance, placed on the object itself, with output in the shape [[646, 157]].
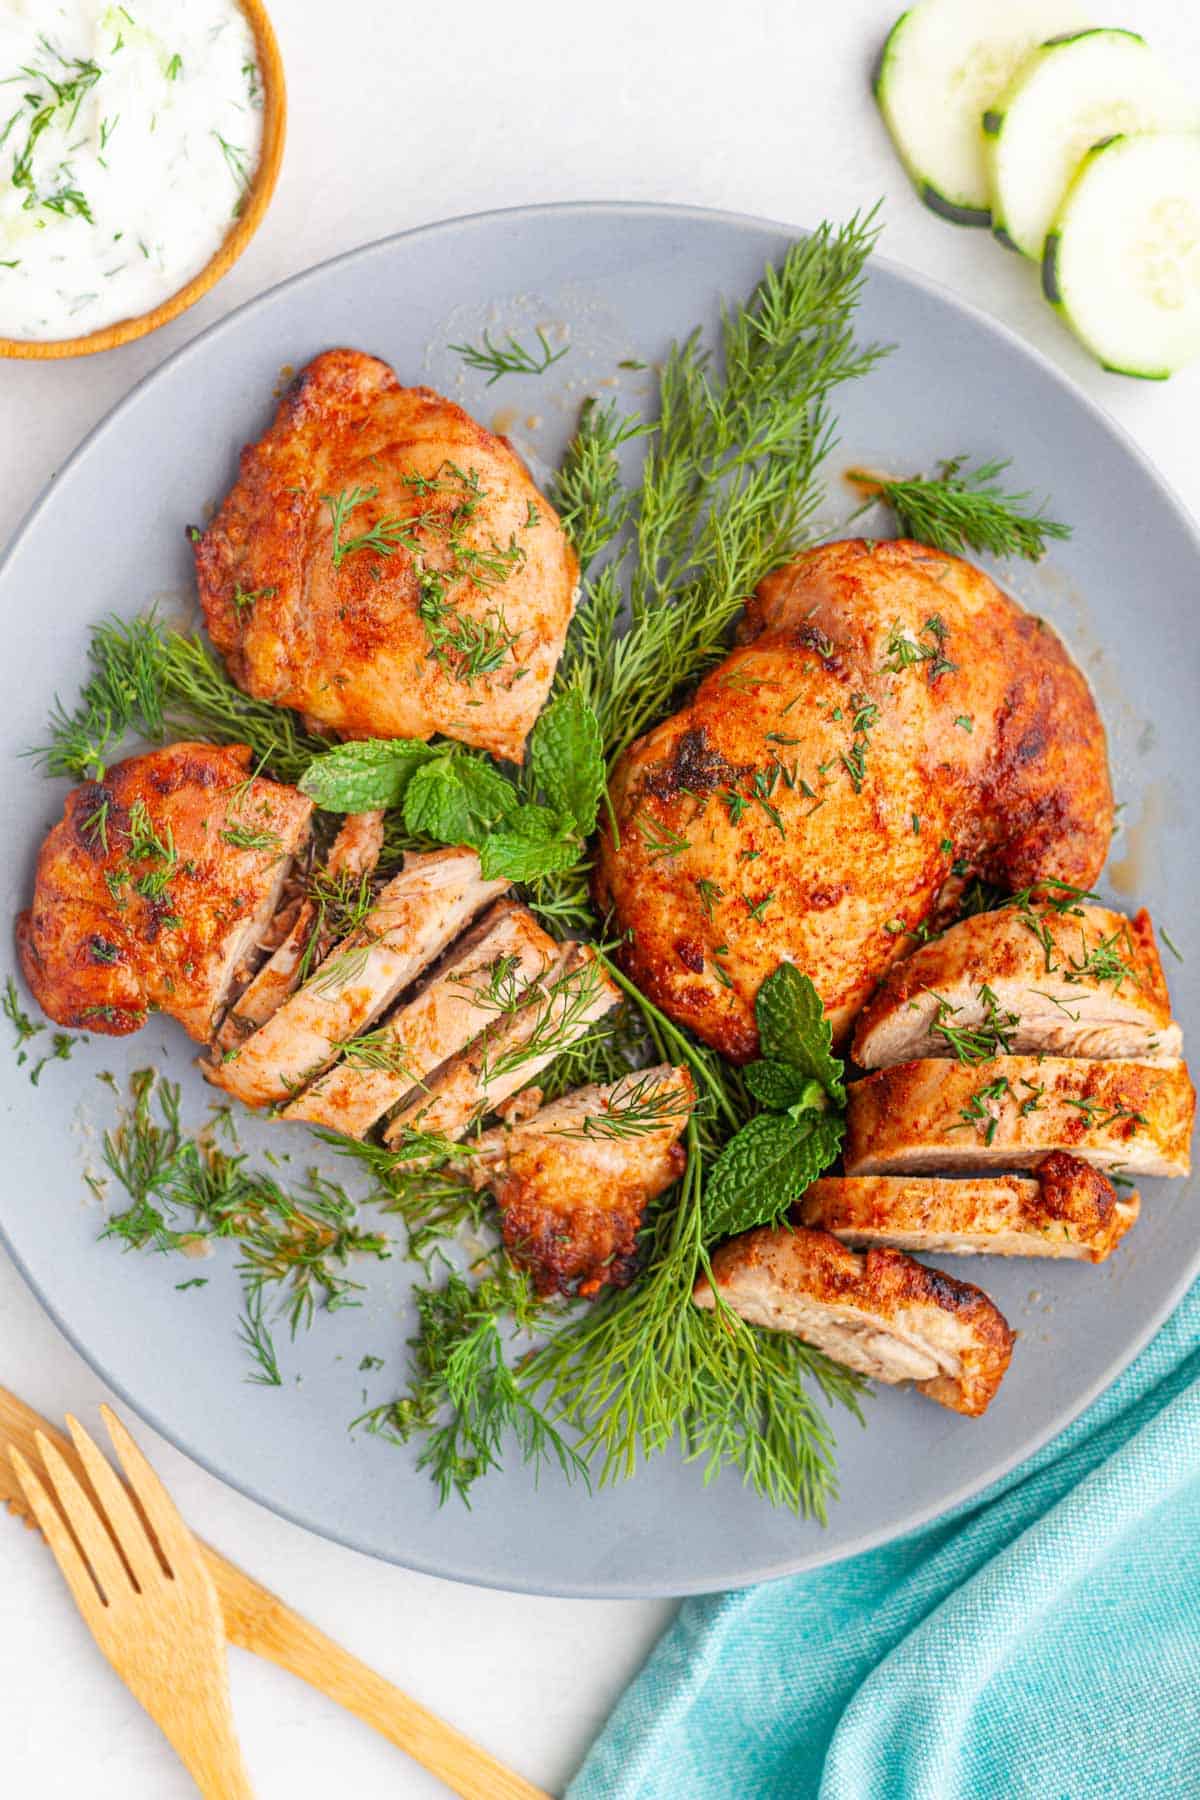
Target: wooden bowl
[[244, 228]]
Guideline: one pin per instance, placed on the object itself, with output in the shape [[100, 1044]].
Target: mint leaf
[[458, 800], [435, 803], [357, 777], [567, 758], [533, 842], [766, 1167], [490, 797], [782, 1086], [792, 1028]]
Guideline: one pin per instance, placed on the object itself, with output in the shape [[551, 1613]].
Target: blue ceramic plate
[[108, 537]]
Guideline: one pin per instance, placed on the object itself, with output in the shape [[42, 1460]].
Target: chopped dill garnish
[[465, 1397], [245, 837], [983, 1109], [992, 1037]]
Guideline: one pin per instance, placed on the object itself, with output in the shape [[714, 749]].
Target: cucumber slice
[[1072, 92], [943, 64], [1122, 260]]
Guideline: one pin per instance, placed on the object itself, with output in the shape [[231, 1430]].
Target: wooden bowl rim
[[125, 331]]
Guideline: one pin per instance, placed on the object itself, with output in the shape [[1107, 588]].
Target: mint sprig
[[798, 1080], [445, 793]]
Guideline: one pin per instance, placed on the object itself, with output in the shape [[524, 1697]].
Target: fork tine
[[174, 1539], [90, 1531], [75, 1571], [127, 1526]]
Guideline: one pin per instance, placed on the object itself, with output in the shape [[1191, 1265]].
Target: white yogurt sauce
[[129, 136]]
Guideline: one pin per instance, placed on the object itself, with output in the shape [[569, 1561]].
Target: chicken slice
[[883, 1314], [526, 1034], [932, 1114], [413, 919], [1075, 981], [352, 857], [1065, 1209], [507, 945], [573, 1182], [156, 886]]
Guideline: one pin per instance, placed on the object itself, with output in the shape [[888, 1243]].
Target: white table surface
[[401, 115]]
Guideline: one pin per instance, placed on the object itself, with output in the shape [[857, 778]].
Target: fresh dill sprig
[[184, 1191], [595, 504], [728, 487], [510, 357], [465, 1398], [158, 683], [255, 1334], [966, 509], [645, 1368]]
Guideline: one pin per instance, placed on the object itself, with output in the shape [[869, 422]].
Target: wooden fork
[[148, 1600]]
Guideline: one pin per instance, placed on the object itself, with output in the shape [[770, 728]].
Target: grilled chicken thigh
[[573, 1181], [156, 886], [1065, 1209], [528, 1030], [386, 566], [1075, 981], [889, 716], [882, 1314], [352, 857], [413, 919], [936, 1115], [505, 950]]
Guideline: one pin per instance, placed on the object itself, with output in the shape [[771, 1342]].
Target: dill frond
[[465, 1398], [157, 683], [966, 509], [728, 487]]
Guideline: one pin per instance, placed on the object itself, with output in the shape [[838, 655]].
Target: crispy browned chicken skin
[[889, 715], [451, 619], [573, 1184], [155, 884]]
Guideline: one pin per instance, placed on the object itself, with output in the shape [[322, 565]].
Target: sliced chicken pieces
[[1076, 980], [573, 1182], [156, 886], [352, 858], [506, 946], [527, 1032], [933, 1115], [356, 848], [414, 918], [1065, 1209], [882, 1314]]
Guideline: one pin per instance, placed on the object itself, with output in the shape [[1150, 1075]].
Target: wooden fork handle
[[209, 1750], [257, 1620]]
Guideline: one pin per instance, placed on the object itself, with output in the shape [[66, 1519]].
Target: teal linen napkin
[[1042, 1641]]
